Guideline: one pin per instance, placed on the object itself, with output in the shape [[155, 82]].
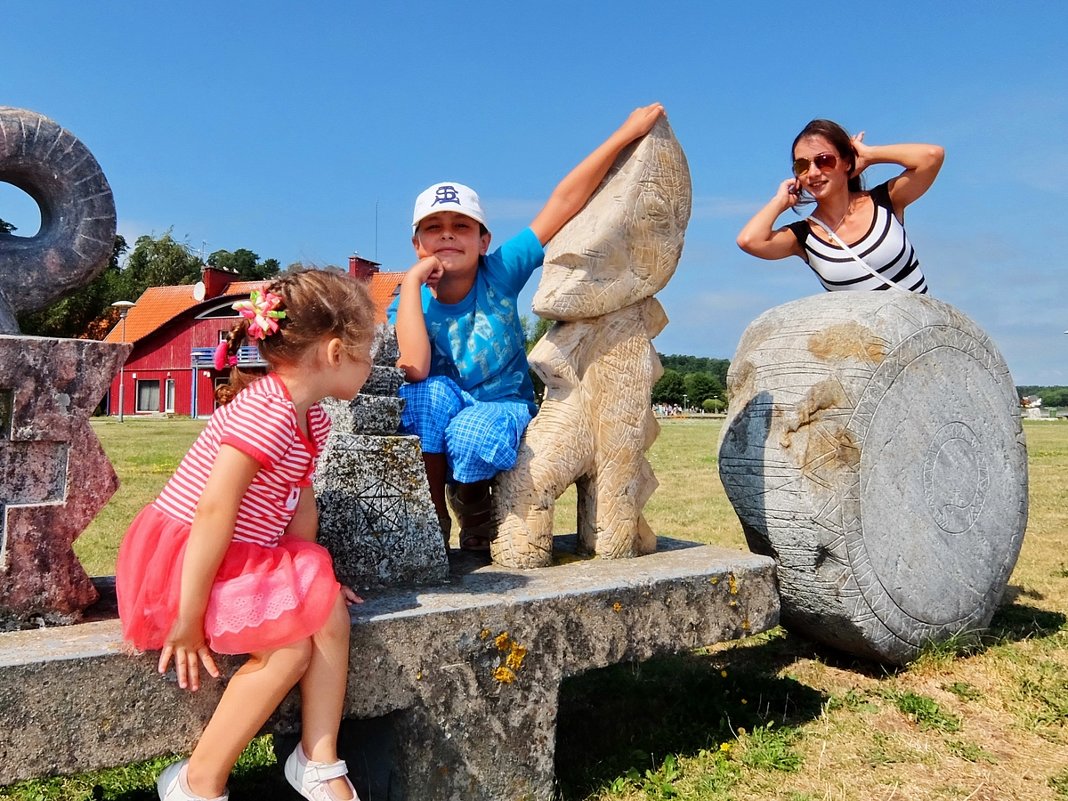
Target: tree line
[[692, 382], [153, 261], [1051, 396]]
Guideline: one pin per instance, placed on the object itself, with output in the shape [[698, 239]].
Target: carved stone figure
[[54, 476], [873, 447], [598, 363]]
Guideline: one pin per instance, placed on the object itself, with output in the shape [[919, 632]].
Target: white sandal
[[309, 778], [171, 785]]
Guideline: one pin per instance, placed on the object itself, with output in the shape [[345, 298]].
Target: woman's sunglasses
[[825, 161]]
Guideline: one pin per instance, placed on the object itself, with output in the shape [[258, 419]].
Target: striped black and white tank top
[[885, 247]]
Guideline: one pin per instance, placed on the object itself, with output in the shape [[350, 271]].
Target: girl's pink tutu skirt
[[263, 597]]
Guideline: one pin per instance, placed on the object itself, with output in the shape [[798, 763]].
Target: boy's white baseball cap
[[447, 196]]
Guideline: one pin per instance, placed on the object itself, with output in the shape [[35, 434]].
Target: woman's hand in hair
[[863, 155]]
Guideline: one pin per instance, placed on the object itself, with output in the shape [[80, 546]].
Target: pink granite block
[[54, 475]]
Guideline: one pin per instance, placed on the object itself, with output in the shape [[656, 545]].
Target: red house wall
[[167, 353]]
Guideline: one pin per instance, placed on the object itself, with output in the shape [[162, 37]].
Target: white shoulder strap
[[838, 241]]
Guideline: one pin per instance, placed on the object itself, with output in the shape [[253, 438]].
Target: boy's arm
[[412, 339], [578, 185]]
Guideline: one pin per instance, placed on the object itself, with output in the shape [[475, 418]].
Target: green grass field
[[772, 717]]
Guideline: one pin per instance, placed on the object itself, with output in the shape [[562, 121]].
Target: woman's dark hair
[[842, 142], [317, 304]]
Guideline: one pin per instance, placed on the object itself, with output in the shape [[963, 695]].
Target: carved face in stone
[[624, 245]]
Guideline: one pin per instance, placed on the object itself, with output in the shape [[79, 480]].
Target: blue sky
[[303, 131]]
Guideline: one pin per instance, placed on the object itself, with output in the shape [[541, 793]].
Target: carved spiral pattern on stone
[[955, 477]]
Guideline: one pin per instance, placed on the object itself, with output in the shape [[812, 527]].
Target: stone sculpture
[[598, 363], [77, 232], [54, 475], [375, 513], [873, 447]]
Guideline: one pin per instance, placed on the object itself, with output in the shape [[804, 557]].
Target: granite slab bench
[[453, 688]]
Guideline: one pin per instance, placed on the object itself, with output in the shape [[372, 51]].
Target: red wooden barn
[[175, 330]]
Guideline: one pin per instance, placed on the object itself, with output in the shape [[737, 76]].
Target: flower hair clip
[[262, 312], [223, 358]]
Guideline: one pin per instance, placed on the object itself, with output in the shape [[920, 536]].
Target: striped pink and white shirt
[[260, 421]]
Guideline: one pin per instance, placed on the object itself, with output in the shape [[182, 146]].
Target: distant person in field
[[225, 559], [469, 396], [854, 239]]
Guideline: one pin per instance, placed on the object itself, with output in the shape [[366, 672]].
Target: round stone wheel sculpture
[[77, 234], [873, 448]]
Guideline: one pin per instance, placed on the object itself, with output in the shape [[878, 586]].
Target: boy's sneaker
[[310, 778], [172, 787]]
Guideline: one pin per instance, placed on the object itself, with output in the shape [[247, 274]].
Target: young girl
[[224, 559]]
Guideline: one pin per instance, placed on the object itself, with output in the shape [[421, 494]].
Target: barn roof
[[158, 305]]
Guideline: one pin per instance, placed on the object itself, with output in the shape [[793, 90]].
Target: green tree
[[533, 330], [700, 387], [6, 227], [245, 263], [1054, 396], [161, 261], [76, 316], [717, 368], [714, 405], [670, 388]]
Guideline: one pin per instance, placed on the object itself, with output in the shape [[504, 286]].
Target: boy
[[469, 396]]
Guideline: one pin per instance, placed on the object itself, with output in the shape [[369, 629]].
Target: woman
[[854, 239]]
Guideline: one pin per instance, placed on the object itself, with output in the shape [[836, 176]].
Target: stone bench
[[454, 687]]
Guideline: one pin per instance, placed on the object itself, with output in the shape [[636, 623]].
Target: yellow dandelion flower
[[724, 747], [723, 673]]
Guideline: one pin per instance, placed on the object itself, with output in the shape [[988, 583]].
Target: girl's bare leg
[[322, 691], [254, 692]]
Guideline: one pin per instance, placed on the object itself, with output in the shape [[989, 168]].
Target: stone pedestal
[[54, 476], [375, 513], [873, 447]]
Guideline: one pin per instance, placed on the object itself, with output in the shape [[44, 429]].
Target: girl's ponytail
[[226, 356]]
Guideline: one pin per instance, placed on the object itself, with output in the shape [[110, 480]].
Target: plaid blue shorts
[[479, 438]]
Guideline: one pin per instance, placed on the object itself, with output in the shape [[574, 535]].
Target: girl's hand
[[863, 158], [351, 598], [187, 646], [427, 271]]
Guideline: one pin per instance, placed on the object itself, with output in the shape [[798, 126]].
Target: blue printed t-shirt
[[479, 342]]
